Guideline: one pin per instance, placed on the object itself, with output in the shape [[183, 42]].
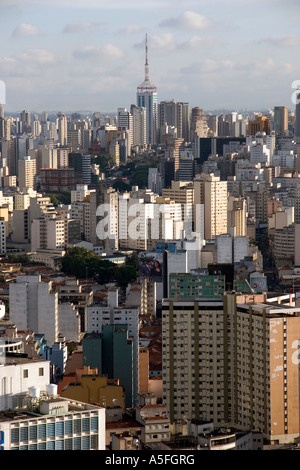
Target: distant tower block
[[147, 98]]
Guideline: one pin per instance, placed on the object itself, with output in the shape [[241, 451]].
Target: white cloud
[[81, 27], [107, 52], [39, 56], [196, 42], [281, 41], [204, 67], [131, 29], [167, 43], [25, 29], [95, 4], [187, 21], [163, 42]]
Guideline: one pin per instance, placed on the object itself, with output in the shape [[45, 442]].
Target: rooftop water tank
[[52, 390], [34, 392]]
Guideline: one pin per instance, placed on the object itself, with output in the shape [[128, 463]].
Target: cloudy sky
[[71, 55]]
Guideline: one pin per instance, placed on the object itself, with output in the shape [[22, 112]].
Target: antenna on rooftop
[[146, 61]]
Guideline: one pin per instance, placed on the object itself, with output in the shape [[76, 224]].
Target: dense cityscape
[[150, 277]]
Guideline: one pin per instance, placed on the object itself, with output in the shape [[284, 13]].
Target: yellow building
[[260, 124], [96, 389]]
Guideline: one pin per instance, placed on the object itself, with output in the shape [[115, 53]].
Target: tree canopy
[[82, 263]]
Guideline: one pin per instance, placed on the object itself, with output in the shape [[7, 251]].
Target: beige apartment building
[[233, 361], [212, 192], [27, 173]]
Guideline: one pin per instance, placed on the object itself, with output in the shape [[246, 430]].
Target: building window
[[41, 371], [25, 373]]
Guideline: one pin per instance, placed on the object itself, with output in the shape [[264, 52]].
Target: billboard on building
[[258, 284], [151, 266]]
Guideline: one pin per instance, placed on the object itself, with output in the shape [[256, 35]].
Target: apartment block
[[212, 192], [99, 317], [233, 362], [27, 173], [34, 306]]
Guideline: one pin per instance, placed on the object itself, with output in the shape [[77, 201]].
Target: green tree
[[133, 260], [59, 198], [124, 275], [120, 186], [79, 262], [83, 263]]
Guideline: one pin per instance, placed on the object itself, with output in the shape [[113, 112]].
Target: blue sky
[[89, 55]]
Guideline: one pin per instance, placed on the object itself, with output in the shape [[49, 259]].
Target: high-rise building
[[48, 234], [5, 128], [281, 118], [2, 236], [34, 306], [147, 98], [139, 137], [212, 122], [297, 119], [104, 213], [212, 192], [155, 182], [174, 113], [119, 360], [259, 125], [234, 362], [25, 118], [27, 173], [199, 127], [62, 157], [62, 127]]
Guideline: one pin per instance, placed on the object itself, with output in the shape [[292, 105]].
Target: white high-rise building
[[27, 173], [33, 306], [297, 119], [260, 154], [62, 129], [48, 234], [212, 192], [147, 98]]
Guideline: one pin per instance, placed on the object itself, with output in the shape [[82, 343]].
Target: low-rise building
[[53, 423]]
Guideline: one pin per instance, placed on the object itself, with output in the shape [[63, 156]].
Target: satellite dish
[[116, 402]]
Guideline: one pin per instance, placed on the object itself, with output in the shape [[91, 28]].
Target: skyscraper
[[27, 173], [25, 119], [139, 126], [232, 360], [147, 98], [281, 120], [297, 119], [212, 192], [175, 114], [62, 128]]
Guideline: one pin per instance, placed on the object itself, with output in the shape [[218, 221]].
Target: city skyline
[[68, 56]]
